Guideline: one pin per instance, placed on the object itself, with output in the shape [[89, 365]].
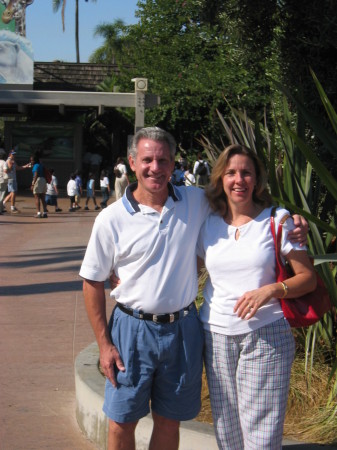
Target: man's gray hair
[[155, 134]]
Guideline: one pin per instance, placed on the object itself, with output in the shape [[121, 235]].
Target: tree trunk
[[77, 41]]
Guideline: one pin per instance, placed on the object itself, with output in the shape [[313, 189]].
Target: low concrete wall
[[89, 385]]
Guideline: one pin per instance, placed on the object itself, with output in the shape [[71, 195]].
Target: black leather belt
[[157, 318]]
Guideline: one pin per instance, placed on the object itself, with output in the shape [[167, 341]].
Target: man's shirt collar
[[131, 204]]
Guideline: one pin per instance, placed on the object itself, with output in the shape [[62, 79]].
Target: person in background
[[91, 192], [72, 191], [79, 186], [189, 177], [177, 177], [105, 188], [39, 187], [10, 170], [201, 171], [3, 179], [121, 178], [52, 192], [249, 345]]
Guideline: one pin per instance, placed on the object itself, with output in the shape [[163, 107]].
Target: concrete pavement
[[43, 327]]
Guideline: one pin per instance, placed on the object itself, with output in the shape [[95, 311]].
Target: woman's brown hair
[[215, 192]]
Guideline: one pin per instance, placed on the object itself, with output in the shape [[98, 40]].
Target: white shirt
[[3, 174], [238, 266], [71, 188], [154, 254], [196, 165], [51, 186], [189, 179], [105, 182], [122, 168]]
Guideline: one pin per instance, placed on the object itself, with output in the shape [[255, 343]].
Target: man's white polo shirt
[[154, 254]]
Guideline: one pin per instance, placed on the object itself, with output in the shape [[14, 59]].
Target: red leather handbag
[[309, 308]]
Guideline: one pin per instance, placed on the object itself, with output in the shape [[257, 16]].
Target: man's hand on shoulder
[[300, 233]]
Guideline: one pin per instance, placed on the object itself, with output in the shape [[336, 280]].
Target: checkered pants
[[248, 377]]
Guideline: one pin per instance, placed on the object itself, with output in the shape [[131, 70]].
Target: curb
[[89, 386]]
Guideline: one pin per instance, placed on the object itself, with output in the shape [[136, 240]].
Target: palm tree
[[113, 34], [56, 6]]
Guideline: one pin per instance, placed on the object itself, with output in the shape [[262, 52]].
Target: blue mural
[[16, 53]]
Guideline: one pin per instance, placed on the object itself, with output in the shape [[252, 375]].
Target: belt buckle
[[171, 318], [155, 318]]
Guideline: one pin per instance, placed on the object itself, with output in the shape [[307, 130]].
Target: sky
[[50, 43]]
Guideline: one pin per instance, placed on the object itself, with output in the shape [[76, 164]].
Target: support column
[[140, 90]]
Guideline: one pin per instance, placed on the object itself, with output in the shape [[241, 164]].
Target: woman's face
[[239, 180]]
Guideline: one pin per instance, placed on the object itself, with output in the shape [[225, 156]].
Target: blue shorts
[[12, 185], [163, 365], [51, 200]]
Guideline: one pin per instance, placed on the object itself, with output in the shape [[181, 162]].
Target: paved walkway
[[43, 327]]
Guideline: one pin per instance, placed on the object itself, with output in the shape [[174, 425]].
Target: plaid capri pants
[[248, 378]]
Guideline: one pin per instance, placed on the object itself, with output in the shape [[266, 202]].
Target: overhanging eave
[[68, 98]]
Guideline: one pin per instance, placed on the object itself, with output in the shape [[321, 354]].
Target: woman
[[121, 180], [39, 187], [249, 346]]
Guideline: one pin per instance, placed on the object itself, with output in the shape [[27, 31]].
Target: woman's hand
[[251, 301], [114, 281]]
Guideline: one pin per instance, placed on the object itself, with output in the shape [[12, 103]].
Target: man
[[201, 171], [154, 352], [11, 168]]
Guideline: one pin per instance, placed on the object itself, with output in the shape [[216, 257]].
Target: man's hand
[[94, 299], [299, 234], [109, 357]]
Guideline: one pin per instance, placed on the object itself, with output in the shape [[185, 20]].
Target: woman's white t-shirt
[[238, 266]]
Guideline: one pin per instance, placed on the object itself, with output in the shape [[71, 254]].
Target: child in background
[[72, 191], [105, 188], [78, 180], [52, 192], [91, 192]]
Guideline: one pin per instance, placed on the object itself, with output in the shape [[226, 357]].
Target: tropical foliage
[[197, 52]]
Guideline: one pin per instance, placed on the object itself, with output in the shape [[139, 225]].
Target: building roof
[[61, 76]]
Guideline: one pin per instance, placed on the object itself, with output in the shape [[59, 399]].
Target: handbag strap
[[277, 237]]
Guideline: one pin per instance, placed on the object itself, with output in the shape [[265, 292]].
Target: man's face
[[153, 166]]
